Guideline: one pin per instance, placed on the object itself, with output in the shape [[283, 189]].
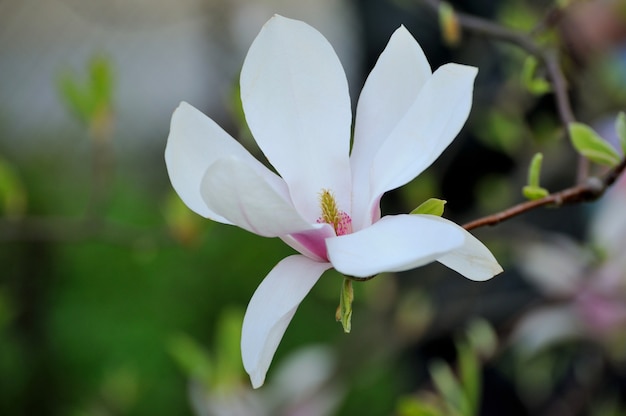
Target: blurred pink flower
[[325, 203], [592, 294]]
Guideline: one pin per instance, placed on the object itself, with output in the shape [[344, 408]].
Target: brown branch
[[592, 189]]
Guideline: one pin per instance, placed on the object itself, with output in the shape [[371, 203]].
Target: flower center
[[331, 214]]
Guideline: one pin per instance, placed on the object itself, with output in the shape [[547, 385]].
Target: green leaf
[[75, 97], [228, 366], [469, 373], [101, 77], [344, 311], [482, 338], [88, 99], [620, 127], [432, 206], [589, 144], [534, 84], [193, 360], [447, 385]]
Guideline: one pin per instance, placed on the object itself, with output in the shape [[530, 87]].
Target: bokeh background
[[115, 299]]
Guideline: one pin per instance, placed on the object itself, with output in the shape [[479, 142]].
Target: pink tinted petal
[[473, 260], [194, 143], [395, 243], [234, 190], [428, 127], [295, 98], [270, 310], [390, 90], [311, 243]]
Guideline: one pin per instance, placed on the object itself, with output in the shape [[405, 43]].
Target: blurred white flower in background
[[303, 385], [586, 286]]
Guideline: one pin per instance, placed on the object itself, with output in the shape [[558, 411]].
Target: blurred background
[[115, 299]]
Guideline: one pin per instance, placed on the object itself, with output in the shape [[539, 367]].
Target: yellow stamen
[[331, 214]]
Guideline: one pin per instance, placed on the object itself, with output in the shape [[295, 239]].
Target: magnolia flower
[[325, 203], [587, 290]]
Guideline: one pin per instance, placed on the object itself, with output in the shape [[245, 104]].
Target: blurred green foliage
[[87, 99], [535, 84], [12, 193]]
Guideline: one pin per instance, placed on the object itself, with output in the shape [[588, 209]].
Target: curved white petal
[[295, 98], [428, 127], [234, 190], [473, 260], [270, 310], [395, 243], [194, 143], [389, 91]]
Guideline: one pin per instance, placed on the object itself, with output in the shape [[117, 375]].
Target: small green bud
[[344, 311], [533, 190], [449, 24]]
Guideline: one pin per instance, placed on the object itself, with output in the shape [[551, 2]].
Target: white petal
[[234, 190], [194, 143], [546, 326], [295, 98], [429, 126], [270, 310], [395, 243], [608, 229], [473, 260], [390, 90], [557, 267], [303, 374]]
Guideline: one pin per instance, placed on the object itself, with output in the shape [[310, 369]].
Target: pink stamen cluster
[[342, 226]]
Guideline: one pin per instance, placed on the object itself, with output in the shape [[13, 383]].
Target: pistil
[[331, 214]]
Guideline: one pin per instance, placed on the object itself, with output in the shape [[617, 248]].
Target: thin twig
[[592, 189]]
